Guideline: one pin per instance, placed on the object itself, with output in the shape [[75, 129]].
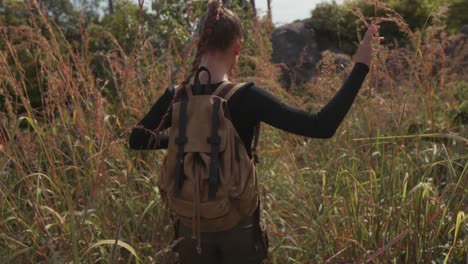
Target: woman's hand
[[364, 52]]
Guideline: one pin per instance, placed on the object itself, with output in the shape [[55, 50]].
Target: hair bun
[[215, 8]]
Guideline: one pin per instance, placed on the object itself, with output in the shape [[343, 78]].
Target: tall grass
[[390, 187]]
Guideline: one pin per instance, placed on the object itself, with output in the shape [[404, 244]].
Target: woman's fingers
[[371, 32], [364, 52]]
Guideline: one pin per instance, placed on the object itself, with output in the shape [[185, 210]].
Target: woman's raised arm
[[323, 124]]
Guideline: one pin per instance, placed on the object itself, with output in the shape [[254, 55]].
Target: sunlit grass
[[389, 187]]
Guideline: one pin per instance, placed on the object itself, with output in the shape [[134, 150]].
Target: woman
[[218, 50]]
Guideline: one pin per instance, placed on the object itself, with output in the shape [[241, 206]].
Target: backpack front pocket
[[208, 210]]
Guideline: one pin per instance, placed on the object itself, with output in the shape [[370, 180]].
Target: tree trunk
[[269, 9], [111, 7], [252, 3]]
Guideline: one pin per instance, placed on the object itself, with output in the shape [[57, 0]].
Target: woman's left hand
[[364, 52]]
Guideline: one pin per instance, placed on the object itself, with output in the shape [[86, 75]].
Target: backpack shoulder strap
[[226, 90], [233, 90], [221, 87]]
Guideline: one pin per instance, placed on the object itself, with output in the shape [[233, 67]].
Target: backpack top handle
[[197, 85]]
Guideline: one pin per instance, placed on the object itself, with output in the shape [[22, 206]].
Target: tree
[[111, 7], [457, 15], [338, 22]]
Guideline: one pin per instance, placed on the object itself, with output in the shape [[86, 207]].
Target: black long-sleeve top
[[251, 105]]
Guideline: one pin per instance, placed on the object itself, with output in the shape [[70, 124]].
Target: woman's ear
[[238, 46]]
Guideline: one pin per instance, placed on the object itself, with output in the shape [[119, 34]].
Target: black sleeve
[[142, 136], [323, 124]]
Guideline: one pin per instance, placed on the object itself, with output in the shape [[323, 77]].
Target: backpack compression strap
[[181, 140], [214, 140]]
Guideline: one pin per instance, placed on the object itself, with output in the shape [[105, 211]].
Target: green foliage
[[176, 20], [416, 13], [459, 114], [13, 13], [456, 17], [63, 13], [339, 22], [336, 22], [128, 25]]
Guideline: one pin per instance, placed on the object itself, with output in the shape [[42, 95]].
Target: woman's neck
[[217, 66]]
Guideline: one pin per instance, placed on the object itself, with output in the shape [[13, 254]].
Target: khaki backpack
[[208, 180]]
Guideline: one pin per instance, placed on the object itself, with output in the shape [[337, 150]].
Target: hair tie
[[220, 9]]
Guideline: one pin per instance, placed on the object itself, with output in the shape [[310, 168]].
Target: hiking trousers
[[245, 243]]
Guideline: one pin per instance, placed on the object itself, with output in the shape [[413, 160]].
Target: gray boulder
[[295, 48], [298, 47]]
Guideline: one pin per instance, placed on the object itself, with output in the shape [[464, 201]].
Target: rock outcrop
[[297, 48]]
